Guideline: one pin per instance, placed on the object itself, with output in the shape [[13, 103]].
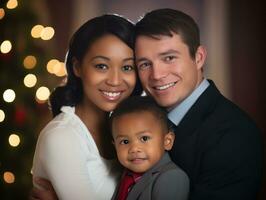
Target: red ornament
[[20, 116]]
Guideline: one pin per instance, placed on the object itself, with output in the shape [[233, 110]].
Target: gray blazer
[[163, 181]]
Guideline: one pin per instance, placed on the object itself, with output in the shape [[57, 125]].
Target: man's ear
[[200, 56], [169, 140], [76, 67]]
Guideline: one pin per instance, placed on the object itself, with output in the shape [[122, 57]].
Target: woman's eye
[[124, 142], [127, 68], [145, 138], [101, 66]]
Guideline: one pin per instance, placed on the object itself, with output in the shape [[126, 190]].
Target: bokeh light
[[42, 93], [61, 71], [9, 95], [2, 13], [2, 115], [30, 80], [11, 4], [36, 31], [52, 65], [29, 62], [9, 177], [6, 46], [47, 33], [14, 140]]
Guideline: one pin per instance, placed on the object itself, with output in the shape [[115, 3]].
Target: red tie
[[126, 183]]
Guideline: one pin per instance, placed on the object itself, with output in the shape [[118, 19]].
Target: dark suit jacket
[[220, 149], [164, 181]]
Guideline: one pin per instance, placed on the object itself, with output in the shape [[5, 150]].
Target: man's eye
[[145, 138], [127, 68], [124, 142], [143, 66], [101, 66], [169, 58]]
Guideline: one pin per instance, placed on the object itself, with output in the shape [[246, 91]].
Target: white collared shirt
[[177, 114]]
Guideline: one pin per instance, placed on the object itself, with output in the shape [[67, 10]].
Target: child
[[141, 138]]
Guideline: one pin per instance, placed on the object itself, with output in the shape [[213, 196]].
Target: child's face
[[140, 140]]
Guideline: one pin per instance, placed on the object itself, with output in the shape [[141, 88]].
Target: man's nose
[[158, 71]]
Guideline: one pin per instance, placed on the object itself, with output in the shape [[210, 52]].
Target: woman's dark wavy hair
[[72, 92]]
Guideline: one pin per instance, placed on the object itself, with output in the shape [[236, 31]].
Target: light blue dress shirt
[[177, 114]]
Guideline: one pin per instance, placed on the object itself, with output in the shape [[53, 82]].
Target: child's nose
[[134, 148]]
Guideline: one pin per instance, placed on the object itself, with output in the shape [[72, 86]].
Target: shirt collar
[[177, 114], [136, 176]]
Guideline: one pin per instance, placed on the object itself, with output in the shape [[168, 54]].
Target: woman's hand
[[47, 193]]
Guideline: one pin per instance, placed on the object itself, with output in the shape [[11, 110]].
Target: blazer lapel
[[147, 178], [198, 112], [185, 150], [115, 192]]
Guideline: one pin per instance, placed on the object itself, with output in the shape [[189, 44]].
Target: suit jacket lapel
[[147, 178], [198, 112], [186, 156]]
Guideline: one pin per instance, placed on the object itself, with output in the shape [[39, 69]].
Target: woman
[[74, 150]]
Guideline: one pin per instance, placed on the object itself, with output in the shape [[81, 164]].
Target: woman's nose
[[114, 78]]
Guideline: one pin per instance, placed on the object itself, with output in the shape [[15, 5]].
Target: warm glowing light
[[14, 140], [52, 65], [9, 177], [11, 4], [56, 68], [30, 80], [29, 62], [47, 33], [2, 13], [61, 71], [9, 95], [43, 93], [6, 46], [2, 115], [36, 31]]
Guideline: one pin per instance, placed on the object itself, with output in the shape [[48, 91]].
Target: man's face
[[167, 71]]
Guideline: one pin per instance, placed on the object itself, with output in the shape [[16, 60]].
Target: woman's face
[[107, 72]]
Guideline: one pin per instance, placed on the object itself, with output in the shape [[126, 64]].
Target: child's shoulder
[[171, 171], [171, 183]]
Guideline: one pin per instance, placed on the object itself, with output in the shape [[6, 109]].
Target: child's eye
[[124, 142], [101, 66], [127, 68], [145, 138]]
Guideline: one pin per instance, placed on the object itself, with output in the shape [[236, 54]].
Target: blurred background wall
[[232, 31]]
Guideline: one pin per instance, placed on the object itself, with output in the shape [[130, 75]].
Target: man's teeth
[[112, 94], [165, 86]]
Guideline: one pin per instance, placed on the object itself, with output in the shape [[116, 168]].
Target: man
[[216, 143]]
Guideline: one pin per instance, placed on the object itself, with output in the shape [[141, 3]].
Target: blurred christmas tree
[[24, 83]]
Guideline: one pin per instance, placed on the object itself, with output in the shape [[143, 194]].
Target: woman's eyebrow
[[100, 57]]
